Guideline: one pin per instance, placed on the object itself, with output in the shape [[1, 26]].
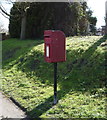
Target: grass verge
[[81, 79]]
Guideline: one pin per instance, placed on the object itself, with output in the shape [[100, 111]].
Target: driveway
[[8, 109]]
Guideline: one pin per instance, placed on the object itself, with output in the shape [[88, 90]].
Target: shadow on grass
[[46, 105], [34, 65], [16, 51], [81, 72], [70, 78]]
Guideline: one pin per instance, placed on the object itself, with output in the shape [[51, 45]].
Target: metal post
[[55, 83]]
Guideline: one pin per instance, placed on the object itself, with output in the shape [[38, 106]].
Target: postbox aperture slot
[[47, 36]]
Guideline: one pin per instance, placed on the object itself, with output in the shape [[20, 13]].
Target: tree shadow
[[11, 57], [77, 71], [46, 105], [70, 74], [34, 65]]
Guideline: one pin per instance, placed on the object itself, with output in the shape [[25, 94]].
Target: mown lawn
[[81, 79]]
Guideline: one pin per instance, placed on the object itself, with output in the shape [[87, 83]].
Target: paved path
[[8, 109]]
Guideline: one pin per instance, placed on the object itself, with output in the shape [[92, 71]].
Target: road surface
[[8, 109]]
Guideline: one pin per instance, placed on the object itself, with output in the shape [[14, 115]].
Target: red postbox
[[54, 46]]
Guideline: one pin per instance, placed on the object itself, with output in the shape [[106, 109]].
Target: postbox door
[[58, 47]]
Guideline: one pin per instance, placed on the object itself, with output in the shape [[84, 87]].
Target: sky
[[97, 6]]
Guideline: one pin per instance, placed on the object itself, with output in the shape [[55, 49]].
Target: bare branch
[[1, 8], [4, 15], [27, 8]]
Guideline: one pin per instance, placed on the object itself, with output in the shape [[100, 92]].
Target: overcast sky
[[97, 6]]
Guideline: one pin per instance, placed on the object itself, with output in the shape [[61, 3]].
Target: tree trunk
[[23, 27]]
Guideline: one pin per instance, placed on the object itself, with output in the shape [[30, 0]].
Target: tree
[[92, 20], [22, 16], [23, 12], [58, 16]]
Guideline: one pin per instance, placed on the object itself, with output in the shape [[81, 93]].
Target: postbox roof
[[50, 32]]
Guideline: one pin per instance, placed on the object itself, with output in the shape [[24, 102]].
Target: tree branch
[[4, 15], [4, 11]]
